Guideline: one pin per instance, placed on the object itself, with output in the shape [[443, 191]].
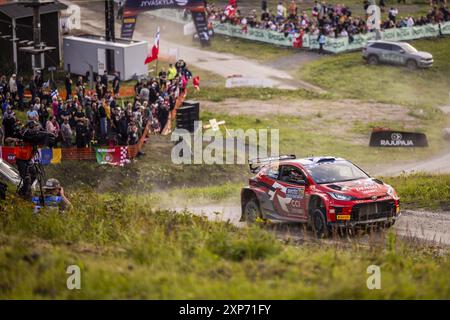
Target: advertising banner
[[201, 25], [128, 25], [133, 7], [389, 138], [445, 27]]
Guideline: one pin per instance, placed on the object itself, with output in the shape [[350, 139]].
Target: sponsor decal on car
[[295, 193]]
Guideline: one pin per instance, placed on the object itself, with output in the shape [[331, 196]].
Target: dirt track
[[433, 227]]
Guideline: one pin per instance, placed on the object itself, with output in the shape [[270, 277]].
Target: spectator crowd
[[332, 20], [84, 117]]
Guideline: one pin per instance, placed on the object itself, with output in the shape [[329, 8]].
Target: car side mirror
[[402, 51]]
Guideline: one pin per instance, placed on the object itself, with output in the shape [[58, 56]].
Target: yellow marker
[[343, 217]]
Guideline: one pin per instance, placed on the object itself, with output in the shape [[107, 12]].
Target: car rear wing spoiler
[[255, 164]]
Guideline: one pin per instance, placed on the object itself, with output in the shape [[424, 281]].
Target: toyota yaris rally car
[[324, 192]]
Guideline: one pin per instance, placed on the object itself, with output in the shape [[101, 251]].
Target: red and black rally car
[[325, 192]]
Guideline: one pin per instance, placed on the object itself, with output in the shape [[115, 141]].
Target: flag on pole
[[153, 54], [50, 156], [54, 93]]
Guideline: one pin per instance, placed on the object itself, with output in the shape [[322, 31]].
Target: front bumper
[[426, 63], [351, 223], [366, 213]]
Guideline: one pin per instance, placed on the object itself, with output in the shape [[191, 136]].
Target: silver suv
[[396, 53]]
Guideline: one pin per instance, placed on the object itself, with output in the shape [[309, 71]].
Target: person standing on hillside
[[171, 72], [321, 39], [104, 81], [116, 83], [68, 85], [13, 88]]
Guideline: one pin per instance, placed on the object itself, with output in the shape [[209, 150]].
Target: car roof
[[310, 160], [387, 42]]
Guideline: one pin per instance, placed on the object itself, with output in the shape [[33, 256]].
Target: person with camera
[[54, 197]]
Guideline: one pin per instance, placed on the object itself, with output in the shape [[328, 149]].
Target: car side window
[[291, 174], [396, 48], [274, 171]]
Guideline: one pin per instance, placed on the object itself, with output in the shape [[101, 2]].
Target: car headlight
[[390, 191], [340, 196]]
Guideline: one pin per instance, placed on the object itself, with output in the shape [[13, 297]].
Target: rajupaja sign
[[389, 138]]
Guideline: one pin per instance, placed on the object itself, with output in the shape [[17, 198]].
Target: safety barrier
[[333, 45]]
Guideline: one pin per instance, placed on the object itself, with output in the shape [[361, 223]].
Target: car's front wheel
[[320, 225], [411, 64], [252, 211], [372, 60]]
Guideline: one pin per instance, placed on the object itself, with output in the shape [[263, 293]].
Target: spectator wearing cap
[[54, 197]]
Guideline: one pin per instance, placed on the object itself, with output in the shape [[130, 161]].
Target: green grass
[[248, 49], [346, 75], [423, 190], [311, 135], [125, 250], [221, 93]]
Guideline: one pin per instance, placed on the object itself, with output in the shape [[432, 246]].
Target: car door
[[387, 55], [289, 198], [398, 54], [269, 181]]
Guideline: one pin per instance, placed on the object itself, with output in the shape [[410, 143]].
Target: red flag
[[153, 54]]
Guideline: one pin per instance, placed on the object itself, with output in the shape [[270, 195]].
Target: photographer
[[54, 197]]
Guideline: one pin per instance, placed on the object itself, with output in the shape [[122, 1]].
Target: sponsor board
[[388, 138]]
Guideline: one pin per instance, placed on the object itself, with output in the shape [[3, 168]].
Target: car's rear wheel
[[372, 60], [319, 224], [252, 211], [411, 64]]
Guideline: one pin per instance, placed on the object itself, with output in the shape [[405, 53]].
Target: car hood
[[424, 55], [360, 189]]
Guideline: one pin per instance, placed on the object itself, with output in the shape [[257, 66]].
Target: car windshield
[[336, 171], [409, 48]]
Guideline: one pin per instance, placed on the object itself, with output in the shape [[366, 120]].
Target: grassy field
[[314, 135], [125, 250], [219, 94], [423, 190], [346, 75]]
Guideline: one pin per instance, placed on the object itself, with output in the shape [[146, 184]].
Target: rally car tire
[[320, 225], [252, 211]]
